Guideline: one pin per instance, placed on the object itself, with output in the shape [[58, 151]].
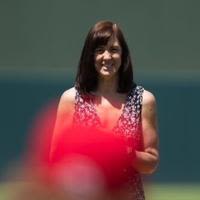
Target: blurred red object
[[106, 150], [77, 153]]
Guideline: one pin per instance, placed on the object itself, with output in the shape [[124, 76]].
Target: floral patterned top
[[128, 124]]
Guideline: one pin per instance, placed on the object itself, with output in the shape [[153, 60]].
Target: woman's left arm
[[146, 161]]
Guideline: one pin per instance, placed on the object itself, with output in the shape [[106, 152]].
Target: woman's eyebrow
[[116, 46], [100, 46]]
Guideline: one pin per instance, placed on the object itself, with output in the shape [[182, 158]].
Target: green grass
[[174, 192], [153, 192]]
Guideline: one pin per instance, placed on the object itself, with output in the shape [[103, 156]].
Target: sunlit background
[[40, 46]]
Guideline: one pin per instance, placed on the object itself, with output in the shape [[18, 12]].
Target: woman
[[106, 96]]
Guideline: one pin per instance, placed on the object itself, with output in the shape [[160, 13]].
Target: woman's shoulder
[[68, 95], [149, 100], [67, 100], [148, 96]]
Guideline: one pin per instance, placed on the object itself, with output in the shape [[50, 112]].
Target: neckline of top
[[132, 91]]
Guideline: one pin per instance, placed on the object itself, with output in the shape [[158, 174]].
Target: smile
[[107, 65]]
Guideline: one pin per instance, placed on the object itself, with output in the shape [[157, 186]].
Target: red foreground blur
[[80, 161]]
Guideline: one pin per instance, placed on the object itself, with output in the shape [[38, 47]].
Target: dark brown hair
[[99, 35]]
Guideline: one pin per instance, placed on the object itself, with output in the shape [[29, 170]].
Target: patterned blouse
[[128, 124]]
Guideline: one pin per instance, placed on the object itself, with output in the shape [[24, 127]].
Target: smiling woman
[[104, 45], [105, 97], [108, 59]]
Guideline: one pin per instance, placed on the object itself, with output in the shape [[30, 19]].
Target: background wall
[[41, 42]]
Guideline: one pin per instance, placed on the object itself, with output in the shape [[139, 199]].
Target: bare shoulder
[[68, 95], [149, 109], [67, 100], [148, 99]]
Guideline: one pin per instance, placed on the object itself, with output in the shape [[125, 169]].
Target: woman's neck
[[107, 86]]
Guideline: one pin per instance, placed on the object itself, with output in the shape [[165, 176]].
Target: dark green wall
[[162, 34]]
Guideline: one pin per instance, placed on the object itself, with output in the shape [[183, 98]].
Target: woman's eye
[[114, 50], [99, 50]]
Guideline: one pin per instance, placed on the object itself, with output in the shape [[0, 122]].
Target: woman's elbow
[[152, 166]]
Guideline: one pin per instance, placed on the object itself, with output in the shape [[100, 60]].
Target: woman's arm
[[147, 160], [63, 118]]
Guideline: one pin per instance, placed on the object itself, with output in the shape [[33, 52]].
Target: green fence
[[178, 116]]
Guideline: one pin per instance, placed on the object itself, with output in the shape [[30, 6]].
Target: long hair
[[87, 76]]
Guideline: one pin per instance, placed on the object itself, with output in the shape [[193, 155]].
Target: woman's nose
[[107, 55]]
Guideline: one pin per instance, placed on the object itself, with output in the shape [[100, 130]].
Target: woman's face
[[108, 59]]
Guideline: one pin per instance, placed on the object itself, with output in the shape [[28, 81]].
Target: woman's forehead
[[113, 41]]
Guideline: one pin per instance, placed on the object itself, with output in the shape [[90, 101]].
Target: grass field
[[174, 192], [153, 192]]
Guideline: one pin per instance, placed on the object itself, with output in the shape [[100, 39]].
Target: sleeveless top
[[128, 124]]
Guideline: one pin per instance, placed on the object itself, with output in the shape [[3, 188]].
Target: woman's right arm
[[63, 118]]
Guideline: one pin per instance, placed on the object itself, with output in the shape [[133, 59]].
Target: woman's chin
[[107, 74]]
